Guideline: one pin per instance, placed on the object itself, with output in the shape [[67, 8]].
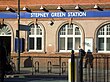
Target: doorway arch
[[5, 36]]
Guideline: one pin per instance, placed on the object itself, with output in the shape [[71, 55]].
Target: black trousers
[[2, 75]]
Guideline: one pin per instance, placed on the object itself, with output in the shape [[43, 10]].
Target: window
[[5, 30], [36, 38], [69, 38], [104, 38]]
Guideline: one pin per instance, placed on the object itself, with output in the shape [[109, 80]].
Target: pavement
[[22, 75], [35, 78], [32, 80]]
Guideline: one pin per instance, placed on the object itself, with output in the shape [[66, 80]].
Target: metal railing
[[38, 65], [43, 65], [100, 72]]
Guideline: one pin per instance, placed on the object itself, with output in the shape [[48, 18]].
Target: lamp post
[[18, 33]]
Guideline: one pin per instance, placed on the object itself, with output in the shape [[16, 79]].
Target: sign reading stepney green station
[[85, 14], [59, 14]]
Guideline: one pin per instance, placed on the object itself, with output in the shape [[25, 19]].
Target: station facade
[[54, 28]]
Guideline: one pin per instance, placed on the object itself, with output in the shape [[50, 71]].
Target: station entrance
[[7, 43]]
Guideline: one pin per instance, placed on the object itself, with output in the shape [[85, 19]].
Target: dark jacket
[[3, 57], [89, 56], [81, 53]]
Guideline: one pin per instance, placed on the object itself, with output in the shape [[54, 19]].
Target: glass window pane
[[39, 43], [62, 44], [101, 31], [32, 28], [69, 29], [108, 44], [63, 30], [31, 43], [77, 43], [77, 31], [70, 43], [38, 30], [101, 44], [108, 29]]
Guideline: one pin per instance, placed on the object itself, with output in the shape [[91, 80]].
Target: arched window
[[69, 37], [36, 38], [103, 42], [5, 30]]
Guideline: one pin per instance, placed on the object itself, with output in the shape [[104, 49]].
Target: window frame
[[105, 36], [35, 36], [66, 36]]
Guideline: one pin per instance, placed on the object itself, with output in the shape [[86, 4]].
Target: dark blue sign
[[57, 14], [8, 15]]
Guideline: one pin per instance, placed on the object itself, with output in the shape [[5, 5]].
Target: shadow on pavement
[[39, 78]]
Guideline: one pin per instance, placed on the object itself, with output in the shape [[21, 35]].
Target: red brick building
[[56, 26]]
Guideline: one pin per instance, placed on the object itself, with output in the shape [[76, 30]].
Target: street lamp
[[26, 9], [44, 9], [61, 8], [77, 7], [18, 33], [10, 9]]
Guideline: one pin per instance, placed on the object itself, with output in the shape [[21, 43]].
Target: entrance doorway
[[7, 43]]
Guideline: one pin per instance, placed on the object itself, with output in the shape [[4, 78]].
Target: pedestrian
[[81, 52], [3, 60], [72, 66], [80, 65], [89, 59]]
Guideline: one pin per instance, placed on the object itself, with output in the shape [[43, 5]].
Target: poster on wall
[[89, 44]]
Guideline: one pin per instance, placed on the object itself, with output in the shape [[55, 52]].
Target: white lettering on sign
[[39, 15], [58, 14], [75, 14]]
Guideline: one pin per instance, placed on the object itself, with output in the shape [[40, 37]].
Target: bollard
[[69, 70], [73, 69]]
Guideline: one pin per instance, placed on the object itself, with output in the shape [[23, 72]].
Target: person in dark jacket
[[89, 59], [3, 60], [81, 56]]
